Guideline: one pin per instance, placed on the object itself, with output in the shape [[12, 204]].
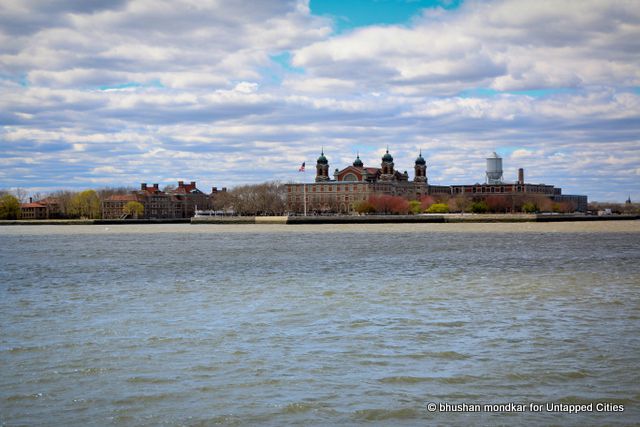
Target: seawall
[[336, 219]]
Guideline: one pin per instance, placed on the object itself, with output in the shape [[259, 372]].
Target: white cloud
[[122, 92], [507, 45]]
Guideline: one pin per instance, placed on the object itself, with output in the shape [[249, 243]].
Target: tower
[[420, 169], [494, 169], [387, 167], [322, 168], [357, 162]]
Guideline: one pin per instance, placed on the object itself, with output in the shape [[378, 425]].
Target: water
[[318, 325]]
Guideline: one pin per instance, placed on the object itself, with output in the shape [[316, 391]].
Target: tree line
[[387, 204], [268, 198], [70, 204]]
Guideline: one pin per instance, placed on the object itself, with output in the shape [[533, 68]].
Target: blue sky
[[347, 15], [96, 94]]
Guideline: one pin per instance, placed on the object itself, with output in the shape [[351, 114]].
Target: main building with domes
[[358, 182]]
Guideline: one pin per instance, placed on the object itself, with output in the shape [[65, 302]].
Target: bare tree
[[21, 194]]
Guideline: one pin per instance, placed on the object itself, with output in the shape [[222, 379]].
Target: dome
[[357, 162], [420, 160], [387, 157], [322, 159]]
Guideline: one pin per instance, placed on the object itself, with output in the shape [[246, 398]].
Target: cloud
[[506, 45], [118, 93]]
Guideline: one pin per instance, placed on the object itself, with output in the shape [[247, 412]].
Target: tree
[[364, 207], [498, 204], [135, 209], [459, 203], [414, 207], [544, 204], [223, 201], [268, 198], [21, 194], [425, 202], [529, 207], [387, 204], [86, 204], [479, 207], [9, 207], [438, 208]]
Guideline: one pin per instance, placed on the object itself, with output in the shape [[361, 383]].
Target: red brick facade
[[179, 202]]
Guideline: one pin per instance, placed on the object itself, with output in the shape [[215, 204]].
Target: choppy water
[[282, 325]]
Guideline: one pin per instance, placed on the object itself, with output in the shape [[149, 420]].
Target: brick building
[[113, 207], [178, 202], [46, 208], [33, 210], [357, 182]]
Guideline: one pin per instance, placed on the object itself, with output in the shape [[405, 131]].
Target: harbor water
[[320, 325]]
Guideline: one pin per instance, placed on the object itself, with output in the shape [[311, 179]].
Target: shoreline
[[425, 228], [338, 219]]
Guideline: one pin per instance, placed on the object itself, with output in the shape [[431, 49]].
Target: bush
[[364, 207], [529, 207], [414, 207], [425, 202], [479, 207], [386, 204], [438, 208]]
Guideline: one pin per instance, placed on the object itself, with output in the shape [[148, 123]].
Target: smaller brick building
[[178, 202], [33, 210], [46, 208]]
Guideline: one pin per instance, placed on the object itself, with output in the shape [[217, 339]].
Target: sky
[[105, 94]]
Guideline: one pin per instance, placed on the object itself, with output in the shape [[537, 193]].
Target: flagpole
[[304, 190]]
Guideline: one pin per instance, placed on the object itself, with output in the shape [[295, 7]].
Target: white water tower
[[494, 169]]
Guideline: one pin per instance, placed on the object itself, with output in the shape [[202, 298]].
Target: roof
[[152, 190], [123, 198], [49, 201], [185, 189], [32, 205]]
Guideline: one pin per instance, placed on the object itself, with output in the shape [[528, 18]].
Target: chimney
[[224, 189], [156, 186], [214, 190], [180, 183], [521, 176], [193, 184], [143, 186], [30, 199]]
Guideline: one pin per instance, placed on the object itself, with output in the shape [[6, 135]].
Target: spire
[[358, 163], [387, 157], [322, 159]]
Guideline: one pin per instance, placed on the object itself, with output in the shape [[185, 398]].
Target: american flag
[[301, 168]]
